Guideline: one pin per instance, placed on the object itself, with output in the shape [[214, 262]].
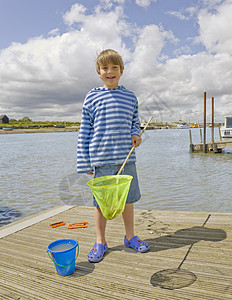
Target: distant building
[[4, 119]]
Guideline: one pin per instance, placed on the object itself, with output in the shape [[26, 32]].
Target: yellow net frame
[[111, 193]]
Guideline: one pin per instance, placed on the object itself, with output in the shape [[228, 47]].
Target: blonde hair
[[109, 56]]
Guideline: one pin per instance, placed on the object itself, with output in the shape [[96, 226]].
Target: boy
[[109, 127]]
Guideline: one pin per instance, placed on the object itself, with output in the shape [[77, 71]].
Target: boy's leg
[[128, 218], [100, 222], [130, 239], [132, 197], [100, 247]]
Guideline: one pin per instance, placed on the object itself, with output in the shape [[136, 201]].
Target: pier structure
[[189, 258], [213, 147], [204, 146]]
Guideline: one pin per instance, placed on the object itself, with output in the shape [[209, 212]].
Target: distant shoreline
[[77, 128], [53, 129], [40, 130]]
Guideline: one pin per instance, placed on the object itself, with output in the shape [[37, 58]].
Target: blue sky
[[174, 50], [34, 18], [24, 19]]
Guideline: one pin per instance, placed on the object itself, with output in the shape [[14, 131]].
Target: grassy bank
[[28, 123]]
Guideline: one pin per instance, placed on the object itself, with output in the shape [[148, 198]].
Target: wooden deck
[[190, 258]]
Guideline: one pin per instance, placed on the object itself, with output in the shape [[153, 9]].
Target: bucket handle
[[67, 265]]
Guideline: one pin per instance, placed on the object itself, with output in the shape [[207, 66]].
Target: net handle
[[129, 154]]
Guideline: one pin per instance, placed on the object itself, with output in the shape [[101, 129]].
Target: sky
[[173, 50]]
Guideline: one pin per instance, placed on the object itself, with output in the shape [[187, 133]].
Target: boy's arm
[[83, 158], [135, 128]]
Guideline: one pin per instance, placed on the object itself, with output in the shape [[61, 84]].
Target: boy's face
[[110, 75]]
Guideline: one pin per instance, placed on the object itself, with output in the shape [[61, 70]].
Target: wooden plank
[[198, 243]]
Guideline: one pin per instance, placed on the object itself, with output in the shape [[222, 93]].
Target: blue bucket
[[64, 255]]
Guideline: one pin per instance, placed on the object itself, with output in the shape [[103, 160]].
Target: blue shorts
[[129, 169]]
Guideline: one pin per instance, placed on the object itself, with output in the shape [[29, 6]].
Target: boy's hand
[[136, 140], [90, 173]]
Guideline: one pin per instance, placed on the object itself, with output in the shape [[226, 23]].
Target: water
[[7, 214], [171, 178], [62, 247], [38, 172]]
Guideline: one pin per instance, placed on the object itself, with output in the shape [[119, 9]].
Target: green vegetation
[[174, 124], [27, 122]]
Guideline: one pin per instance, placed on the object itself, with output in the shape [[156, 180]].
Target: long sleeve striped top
[[109, 119]]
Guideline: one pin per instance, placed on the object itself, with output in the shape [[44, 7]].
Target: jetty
[[190, 257], [213, 146]]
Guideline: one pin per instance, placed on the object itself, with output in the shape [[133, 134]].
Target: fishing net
[[111, 193]]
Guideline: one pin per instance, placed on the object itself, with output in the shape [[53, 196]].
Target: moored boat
[[149, 127], [183, 125], [195, 125], [7, 128], [226, 130]]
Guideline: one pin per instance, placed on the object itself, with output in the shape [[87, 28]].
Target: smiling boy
[[109, 127], [110, 75]]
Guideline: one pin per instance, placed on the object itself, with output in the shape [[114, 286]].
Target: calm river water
[[38, 171]]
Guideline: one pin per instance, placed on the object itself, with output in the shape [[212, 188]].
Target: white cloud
[[144, 3], [187, 77], [108, 4], [54, 73], [216, 28], [212, 3], [45, 73], [184, 49], [178, 15], [185, 14], [75, 15], [97, 27], [150, 42], [47, 78], [54, 32], [191, 11]]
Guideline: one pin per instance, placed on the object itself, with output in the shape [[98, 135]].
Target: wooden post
[[191, 142], [212, 120], [201, 135], [212, 134], [204, 135], [220, 134]]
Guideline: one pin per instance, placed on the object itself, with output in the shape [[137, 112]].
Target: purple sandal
[[97, 252], [137, 244]]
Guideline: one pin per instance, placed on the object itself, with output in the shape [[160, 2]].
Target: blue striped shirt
[[109, 119]]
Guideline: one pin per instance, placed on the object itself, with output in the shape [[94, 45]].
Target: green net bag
[[111, 193]]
